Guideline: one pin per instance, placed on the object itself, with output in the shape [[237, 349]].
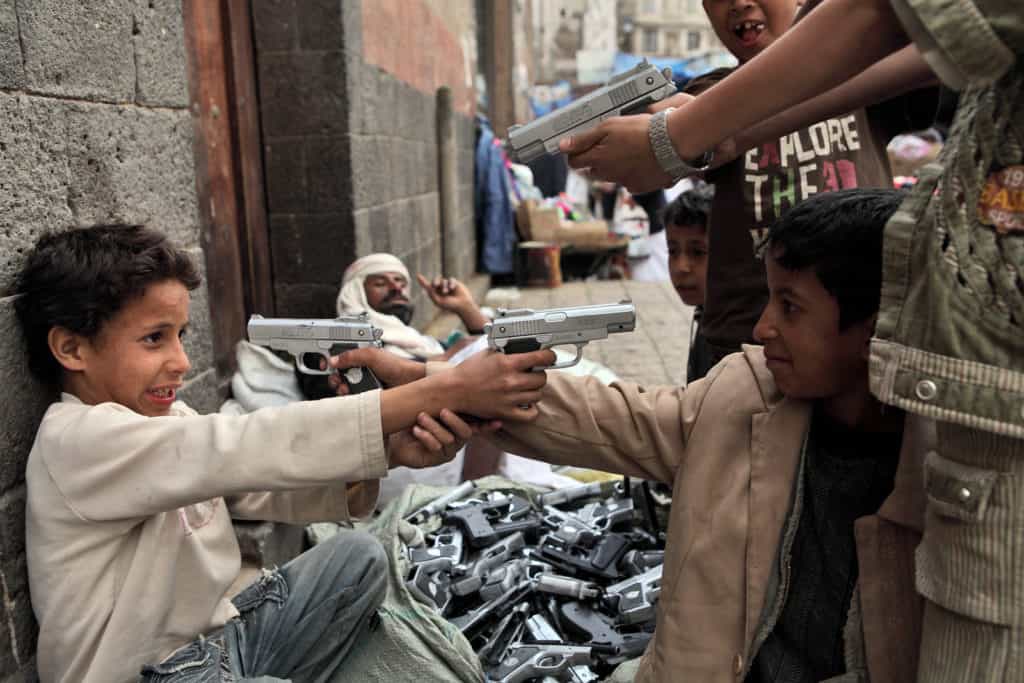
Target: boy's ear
[[66, 347]]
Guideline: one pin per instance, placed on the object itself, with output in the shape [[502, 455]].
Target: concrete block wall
[[94, 128], [348, 115]]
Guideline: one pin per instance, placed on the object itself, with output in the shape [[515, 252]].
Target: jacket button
[[926, 390], [737, 665]]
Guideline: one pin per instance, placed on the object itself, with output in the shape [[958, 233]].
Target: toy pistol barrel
[[524, 330], [437, 505], [626, 93], [569, 494]]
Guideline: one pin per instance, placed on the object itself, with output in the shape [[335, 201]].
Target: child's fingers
[[523, 398], [456, 424], [442, 435], [678, 100], [427, 439], [533, 359], [525, 413], [577, 145], [488, 427]]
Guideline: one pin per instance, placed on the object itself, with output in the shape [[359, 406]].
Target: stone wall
[[348, 107], [94, 128]]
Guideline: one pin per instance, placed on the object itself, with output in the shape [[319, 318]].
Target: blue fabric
[[495, 219], [683, 68], [295, 623]]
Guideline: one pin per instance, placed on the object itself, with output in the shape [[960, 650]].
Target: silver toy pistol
[[525, 330], [630, 92], [308, 340]]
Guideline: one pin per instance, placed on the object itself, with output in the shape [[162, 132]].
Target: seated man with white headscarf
[[379, 285]]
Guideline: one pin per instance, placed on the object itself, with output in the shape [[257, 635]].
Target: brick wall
[[347, 102], [94, 128]]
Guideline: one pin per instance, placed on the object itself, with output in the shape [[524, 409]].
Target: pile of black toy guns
[[559, 588]]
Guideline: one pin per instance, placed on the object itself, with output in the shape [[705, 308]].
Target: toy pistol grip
[[528, 344], [359, 380], [640, 106]]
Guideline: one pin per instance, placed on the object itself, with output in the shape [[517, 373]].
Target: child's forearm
[[400, 405], [895, 75], [835, 42], [487, 385], [474, 319]]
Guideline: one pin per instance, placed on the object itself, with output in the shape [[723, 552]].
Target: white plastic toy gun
[[630, 92], [525, 330], [309, 340]]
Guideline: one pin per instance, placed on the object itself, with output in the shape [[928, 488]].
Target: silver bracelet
[[665, 152]]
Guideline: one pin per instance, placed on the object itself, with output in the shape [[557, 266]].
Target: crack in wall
[[9, 606], [21, 41]]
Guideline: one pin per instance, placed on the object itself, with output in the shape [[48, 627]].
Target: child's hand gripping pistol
[[525, 330], [630, 92], [309, 340]]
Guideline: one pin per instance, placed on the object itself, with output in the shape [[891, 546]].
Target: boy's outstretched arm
[[897, 74], [623, 428], [488, 385], [835, 42]]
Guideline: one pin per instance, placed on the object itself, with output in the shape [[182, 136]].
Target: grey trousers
[[295, 624]]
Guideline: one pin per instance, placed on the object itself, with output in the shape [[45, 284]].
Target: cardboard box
[[536, 224], [546, 225], [584, 233]]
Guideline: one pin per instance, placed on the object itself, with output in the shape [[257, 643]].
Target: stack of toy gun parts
[[560, 588]]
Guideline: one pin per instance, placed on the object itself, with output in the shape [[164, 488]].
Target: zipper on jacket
[[771, 616]]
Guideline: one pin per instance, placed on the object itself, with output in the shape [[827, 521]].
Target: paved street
[[654, 354]]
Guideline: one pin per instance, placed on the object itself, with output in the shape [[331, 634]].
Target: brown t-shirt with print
[[754, 190]]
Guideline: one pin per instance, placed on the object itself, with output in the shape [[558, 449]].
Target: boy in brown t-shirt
[[754, 190]]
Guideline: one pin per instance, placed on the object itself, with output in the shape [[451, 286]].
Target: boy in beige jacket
[[773, 457], [130, 547]]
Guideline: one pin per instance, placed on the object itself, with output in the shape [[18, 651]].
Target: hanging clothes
[[495, 218]]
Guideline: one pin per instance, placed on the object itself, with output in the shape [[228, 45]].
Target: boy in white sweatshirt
[[130, 546]]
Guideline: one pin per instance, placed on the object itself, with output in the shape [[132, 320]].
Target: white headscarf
[[398, 337]]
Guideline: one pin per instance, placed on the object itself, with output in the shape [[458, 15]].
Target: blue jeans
[[294, 624]]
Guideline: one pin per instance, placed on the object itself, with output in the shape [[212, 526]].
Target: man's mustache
[[394, 297]]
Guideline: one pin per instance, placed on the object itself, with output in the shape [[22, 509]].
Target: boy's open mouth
[[748, 31], [164, 393]]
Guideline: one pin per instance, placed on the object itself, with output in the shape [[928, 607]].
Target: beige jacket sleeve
[[110, 463], [624, 428], [302, 506]]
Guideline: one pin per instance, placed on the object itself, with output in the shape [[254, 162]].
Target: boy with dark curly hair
[[130, 547]]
